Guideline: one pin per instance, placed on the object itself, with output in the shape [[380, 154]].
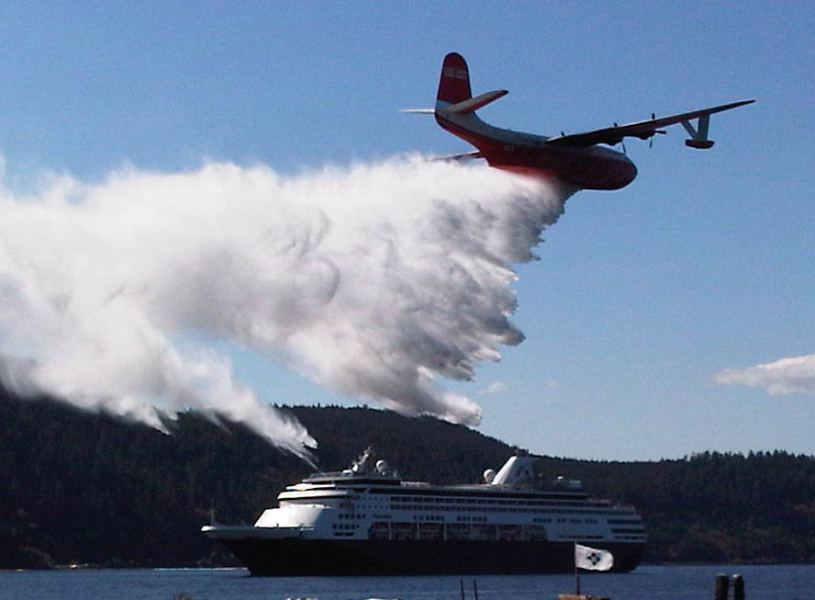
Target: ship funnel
[[518, 469]]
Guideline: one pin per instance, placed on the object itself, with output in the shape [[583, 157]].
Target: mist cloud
[[496, 387], [795, 375], [374, 281]]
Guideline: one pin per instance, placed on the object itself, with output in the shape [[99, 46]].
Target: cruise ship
[[366, 520]]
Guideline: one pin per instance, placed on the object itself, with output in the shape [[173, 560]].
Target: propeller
[[659, 131], [651, 139]]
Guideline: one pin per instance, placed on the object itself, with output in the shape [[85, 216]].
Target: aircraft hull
[[593, 168]]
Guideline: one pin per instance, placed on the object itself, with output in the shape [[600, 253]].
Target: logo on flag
[[592, 559]]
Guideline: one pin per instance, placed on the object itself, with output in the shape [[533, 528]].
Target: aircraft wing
[[646, 129]]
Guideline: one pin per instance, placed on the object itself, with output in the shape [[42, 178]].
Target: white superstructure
[[374, 503]]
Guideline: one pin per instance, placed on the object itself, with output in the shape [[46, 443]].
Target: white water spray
[[372, 280]]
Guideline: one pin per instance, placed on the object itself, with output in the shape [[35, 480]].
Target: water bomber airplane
[[579, 160]]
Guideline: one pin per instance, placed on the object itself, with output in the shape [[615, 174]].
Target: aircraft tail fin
[[454, 85]]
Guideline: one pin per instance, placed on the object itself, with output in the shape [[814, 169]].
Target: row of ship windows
[[345, 526], [562, 520], [543, 508], [491, 502], [352, 515], [499, 510], [441, 518]]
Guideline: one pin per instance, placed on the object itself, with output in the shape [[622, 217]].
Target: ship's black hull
[[295, 557]]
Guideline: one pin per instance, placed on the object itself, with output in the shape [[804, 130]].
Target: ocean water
[[646, 583]]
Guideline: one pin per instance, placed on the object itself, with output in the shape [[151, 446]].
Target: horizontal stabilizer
[[419, 111], [463, 156], [473, 104]]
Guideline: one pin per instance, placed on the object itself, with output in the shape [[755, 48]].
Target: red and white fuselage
[[594, 168], [579, 161]]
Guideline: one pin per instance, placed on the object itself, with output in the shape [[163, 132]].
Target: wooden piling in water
[[721, 587], [738, 587]]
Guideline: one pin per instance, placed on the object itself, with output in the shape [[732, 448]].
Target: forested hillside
[[82, 488]]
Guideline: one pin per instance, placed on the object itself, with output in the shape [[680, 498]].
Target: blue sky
[[641, 296]]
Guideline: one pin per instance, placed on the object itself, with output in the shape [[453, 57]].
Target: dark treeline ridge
[[89, 489]]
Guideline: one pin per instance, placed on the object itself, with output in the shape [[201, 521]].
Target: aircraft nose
[[628, 171]]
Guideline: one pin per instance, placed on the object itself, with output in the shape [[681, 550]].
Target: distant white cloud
[[496, 387], [794, 375]]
